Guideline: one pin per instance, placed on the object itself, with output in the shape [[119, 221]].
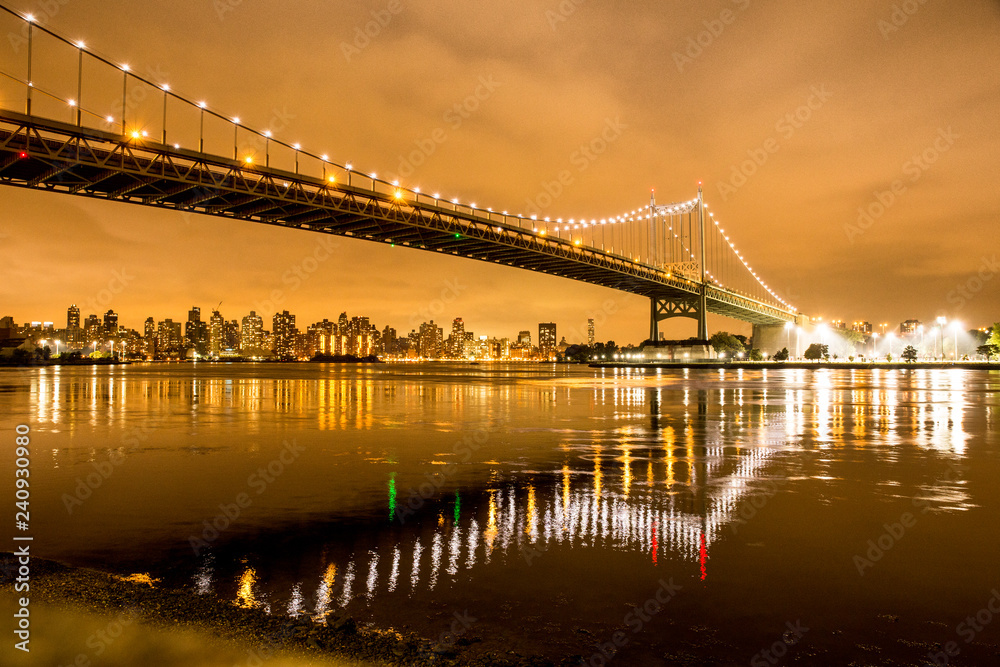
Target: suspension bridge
[[74, 121]]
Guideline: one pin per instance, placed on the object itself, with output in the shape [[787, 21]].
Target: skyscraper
[[359, 337], [283, 326], [74, 334], [590, 331], [149, 333], [216, 333], [231, 335], [389, 345], [111, 323], [73, 317], [524, 338], [547, 336], [431, 336], [168, 337], [252, 332], [457, 338], [196, 331], [92, 329], [320, 338]]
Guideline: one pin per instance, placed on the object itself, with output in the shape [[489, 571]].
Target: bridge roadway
[[48, 155]]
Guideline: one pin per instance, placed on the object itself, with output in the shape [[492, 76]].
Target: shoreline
[[254, 630], [803, 365]]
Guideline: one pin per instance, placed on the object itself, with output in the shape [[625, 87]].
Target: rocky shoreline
[[258, 632]]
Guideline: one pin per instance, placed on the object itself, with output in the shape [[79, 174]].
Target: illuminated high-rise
[[457, 338], [110, 323], [73, 317], [74, 334], [231, 335], [196, 331], [168, 337], [389, 341], [252, 332], [283, 328], [92, 329], [216, 333], [149, 335], [431, 338], [320, 338], [547, 336]]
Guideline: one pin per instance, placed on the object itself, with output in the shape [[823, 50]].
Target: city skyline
[[249, 338], [216, 336], [75, 314], [881, 250], [586, 333]]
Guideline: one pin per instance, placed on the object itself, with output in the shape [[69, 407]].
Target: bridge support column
[[654, 320], [703, 294], [666, 308], [703, 313]]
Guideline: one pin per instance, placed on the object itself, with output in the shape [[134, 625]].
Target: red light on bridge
[[23, 155]]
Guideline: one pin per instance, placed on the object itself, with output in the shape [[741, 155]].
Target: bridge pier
[[694, 307]]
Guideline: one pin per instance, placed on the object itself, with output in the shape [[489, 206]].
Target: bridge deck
[[59, 157]]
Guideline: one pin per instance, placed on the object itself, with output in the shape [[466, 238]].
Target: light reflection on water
[[652, 471]]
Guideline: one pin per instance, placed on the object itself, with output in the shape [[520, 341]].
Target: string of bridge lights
[[635, 215], [747, 266], [680, 208]]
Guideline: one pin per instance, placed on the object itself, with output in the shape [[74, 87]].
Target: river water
[[666, 516]]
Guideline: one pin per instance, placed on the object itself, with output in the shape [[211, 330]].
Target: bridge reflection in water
[[669, 493], [615, 507]]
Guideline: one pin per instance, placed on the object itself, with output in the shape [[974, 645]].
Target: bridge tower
[[695, 306]]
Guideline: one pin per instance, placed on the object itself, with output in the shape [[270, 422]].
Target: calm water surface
[[544, 502]]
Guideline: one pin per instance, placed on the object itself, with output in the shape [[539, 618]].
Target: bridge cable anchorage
[[73, 137]]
